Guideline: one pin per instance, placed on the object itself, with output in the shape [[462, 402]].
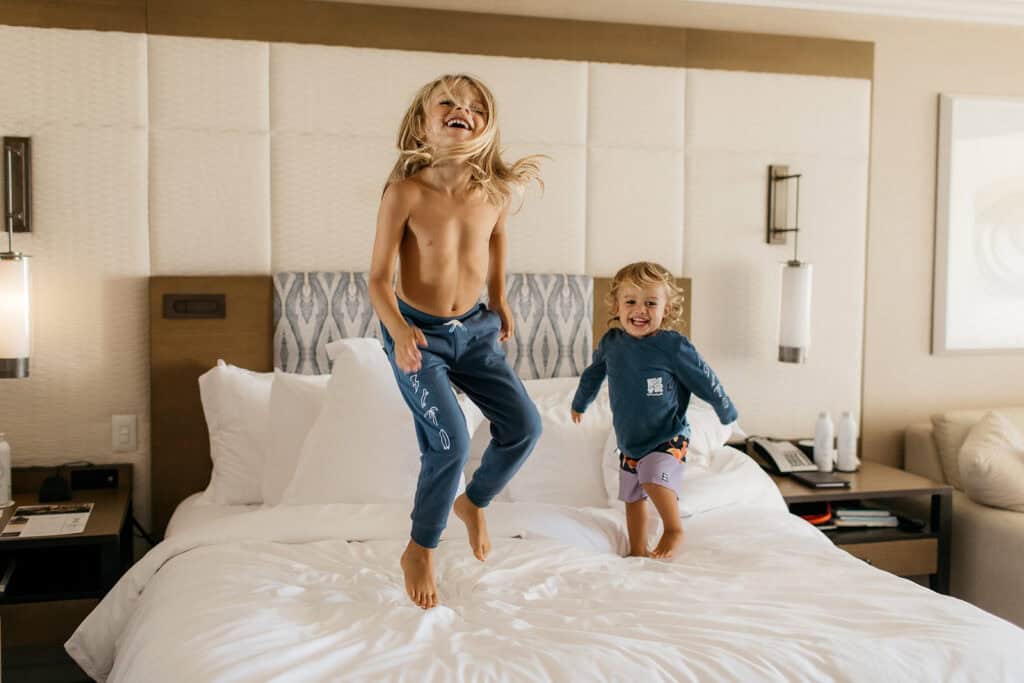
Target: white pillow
[[362, 447], [295, 403], [992, 463], [565, 466], [236, 404], [707, 433]]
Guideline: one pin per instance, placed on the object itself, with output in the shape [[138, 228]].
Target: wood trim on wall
[[98, 15], [763, 52], [403, 28]]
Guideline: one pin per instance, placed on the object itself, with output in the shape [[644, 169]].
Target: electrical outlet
[[124, 433]]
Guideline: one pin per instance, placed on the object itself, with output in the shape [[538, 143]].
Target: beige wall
[[915, 60]]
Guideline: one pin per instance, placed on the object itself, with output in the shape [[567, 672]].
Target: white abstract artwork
[[979, 245]]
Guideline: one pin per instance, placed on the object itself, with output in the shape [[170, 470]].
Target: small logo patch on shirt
[[664, 476], [655, 387]]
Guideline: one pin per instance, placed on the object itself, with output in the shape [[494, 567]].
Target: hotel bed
[[312, 591]]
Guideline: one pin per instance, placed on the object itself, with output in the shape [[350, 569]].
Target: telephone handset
[[782, 456]]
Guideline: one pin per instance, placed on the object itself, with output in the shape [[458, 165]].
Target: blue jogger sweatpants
[[462, 351]]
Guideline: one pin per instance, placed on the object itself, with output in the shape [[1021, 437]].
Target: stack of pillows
[[281, 438]]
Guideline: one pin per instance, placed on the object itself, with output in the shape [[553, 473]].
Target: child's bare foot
[[639, 553], [476, 526], [418, 567], [668, 543]]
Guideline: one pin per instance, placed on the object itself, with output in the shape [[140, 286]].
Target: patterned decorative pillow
[[553, 315]]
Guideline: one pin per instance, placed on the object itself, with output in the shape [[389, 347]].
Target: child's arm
[[391, 220], [590, 383], [701, 380], [496, 277]]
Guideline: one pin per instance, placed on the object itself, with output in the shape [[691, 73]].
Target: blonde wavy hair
[[489, 173], [644, 274]]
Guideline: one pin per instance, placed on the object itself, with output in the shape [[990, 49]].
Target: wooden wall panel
[[404, 28], [180, 351]]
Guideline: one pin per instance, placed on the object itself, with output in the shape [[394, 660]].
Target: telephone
[[782, 456]]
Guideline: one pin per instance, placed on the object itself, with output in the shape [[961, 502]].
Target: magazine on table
[[58, 519]]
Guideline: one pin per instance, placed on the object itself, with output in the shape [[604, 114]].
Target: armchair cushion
[[992, 463]]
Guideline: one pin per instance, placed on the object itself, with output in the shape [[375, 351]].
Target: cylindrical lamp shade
[[14, 315], [795, 312]]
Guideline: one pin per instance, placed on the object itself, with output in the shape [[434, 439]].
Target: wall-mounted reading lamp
[[14, 277], [795, 308]]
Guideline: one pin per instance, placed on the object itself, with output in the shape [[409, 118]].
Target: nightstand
[[900, 551], [57, 580]]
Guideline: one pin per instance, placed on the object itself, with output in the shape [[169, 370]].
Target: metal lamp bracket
[[17, 174], [780, 181]]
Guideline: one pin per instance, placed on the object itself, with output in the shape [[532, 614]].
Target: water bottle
[[847, 444], [5, 472], [824, 454]]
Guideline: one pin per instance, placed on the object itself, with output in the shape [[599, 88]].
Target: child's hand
[[576, 417], [508, 325], [407, 353]]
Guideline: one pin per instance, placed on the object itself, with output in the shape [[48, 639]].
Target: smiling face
[[454, 114], [641, 309]]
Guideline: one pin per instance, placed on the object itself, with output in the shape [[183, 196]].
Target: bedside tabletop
[[109, 513], [872, 480]]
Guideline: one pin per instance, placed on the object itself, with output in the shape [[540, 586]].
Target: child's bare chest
[[451, 224]]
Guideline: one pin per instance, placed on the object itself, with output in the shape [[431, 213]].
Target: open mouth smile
[[456, 122]]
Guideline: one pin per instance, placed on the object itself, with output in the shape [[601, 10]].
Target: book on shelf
[[890, 521], [860, 510]]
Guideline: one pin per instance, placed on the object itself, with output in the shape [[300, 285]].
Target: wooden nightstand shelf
[[57, 580], [902, 552]]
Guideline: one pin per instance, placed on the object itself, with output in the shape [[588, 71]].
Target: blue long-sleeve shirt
[[650, 380]]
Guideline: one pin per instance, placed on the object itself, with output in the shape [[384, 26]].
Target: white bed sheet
[[195, 512], [314, 593]]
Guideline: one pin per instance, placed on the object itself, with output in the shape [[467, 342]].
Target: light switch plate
[[124, 433]]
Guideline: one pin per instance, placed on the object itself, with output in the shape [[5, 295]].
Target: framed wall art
[[979, 232]]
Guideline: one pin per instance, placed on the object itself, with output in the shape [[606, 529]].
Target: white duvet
[[314, 593]]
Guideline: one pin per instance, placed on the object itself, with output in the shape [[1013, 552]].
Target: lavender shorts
[[658, 467]]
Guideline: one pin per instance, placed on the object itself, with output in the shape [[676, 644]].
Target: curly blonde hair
[[489, 172], [644, 274]]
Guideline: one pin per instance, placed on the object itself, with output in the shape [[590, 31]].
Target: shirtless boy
[[442, 220]]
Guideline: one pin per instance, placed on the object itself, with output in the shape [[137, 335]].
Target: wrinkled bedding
[[314, 593]]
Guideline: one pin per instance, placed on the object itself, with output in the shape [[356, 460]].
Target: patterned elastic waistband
[[676, 447]]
